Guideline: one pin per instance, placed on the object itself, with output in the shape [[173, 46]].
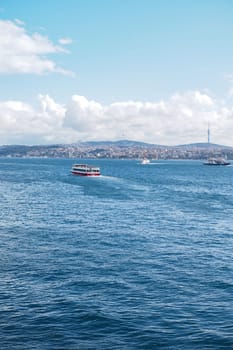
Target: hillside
[[118, 149]]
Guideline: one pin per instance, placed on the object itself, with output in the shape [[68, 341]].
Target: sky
[[157, 71]]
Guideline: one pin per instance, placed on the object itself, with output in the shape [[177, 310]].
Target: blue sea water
[[139, 258]]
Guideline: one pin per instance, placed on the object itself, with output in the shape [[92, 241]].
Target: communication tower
[[208, 133]]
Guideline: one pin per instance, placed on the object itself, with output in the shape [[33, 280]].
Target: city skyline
[[153, 71]]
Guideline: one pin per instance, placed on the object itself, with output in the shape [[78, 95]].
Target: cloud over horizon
[[24, 53], [183, 118]]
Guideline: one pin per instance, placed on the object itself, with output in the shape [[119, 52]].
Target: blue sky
[[153, 70]]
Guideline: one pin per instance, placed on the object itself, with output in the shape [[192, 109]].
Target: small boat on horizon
[[85, 170], [145, 161], [216, 161]]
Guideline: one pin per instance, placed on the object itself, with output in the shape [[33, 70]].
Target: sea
[[138, 258]]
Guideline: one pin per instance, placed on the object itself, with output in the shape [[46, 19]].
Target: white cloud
[[21, 123], [181, 119], [21, 52], [65, 41]]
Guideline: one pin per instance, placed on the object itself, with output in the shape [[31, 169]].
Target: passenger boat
[[85, 170], [217, 161]]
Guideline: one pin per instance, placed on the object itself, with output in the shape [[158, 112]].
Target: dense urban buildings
[[118, 150]]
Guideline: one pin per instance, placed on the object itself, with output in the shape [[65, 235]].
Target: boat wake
[[151, 163], [108, 187]]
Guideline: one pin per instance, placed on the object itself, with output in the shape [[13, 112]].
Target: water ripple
[[140, 258]]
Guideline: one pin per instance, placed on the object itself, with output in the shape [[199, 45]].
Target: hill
[[122, 149], [203, 145]]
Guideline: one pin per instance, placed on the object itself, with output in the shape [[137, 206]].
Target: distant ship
[[145, 161], [85, 170], [216, 161]]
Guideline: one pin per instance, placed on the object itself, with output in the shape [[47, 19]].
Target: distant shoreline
[[117, 150]]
